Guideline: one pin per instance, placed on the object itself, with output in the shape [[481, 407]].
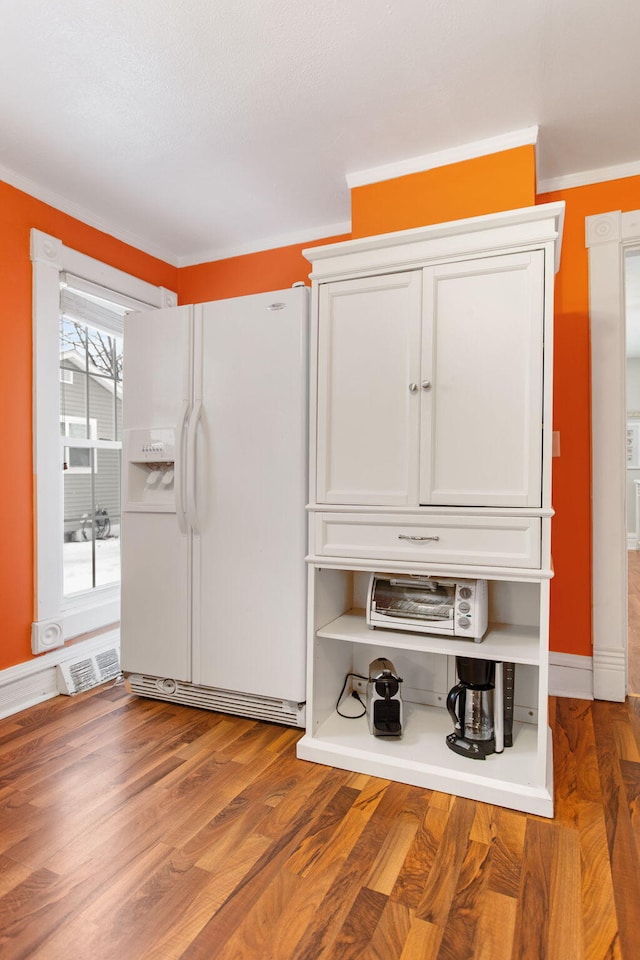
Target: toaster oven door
[[427, 603]]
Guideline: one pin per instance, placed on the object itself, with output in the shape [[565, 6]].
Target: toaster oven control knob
[[465, 592], [464, 623], [464, 607]]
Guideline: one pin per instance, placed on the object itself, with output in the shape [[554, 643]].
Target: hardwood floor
[[137, 830]]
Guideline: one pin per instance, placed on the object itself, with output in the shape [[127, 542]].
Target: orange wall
[[501, 181], [251, 273], [376, 209], [571, 545], [18, 213]]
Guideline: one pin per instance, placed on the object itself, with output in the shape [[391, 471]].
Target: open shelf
[[513, 778], [513, 643]]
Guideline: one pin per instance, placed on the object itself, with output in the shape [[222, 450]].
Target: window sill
[[87, 613]]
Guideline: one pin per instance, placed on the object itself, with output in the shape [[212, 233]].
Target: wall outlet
[[360, 686]]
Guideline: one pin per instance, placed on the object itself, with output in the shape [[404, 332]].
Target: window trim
[[55, 618], [607, 236]]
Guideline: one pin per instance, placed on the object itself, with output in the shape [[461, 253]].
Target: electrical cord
[[355, 695]]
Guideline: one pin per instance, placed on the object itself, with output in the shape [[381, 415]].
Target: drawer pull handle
[[403, 536]]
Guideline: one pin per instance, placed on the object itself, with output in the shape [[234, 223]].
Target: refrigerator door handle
[[180, 468], [192, 508]]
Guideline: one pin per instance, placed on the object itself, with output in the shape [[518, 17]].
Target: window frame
[[607, 237], [56, 618]]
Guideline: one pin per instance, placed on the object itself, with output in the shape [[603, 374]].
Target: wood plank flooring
[[137, 830]]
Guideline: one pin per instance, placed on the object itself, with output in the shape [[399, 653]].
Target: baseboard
[[632, 541], [35, 681], [570, 676]]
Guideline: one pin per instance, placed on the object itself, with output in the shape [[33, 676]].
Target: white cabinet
[[430, 385], [437, 539], [482, 342], [431, 376], [368, 420]]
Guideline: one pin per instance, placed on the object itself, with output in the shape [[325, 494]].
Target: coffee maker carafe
[[481, 707], [384, 703]]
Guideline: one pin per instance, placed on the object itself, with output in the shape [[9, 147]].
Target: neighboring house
[[92, 475]]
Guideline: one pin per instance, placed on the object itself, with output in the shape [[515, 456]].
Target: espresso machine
[[481, 707], [384, 703]]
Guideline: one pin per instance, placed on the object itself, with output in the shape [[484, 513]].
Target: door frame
[[607, 236]]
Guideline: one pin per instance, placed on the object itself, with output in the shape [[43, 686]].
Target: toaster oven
[[438, 605]]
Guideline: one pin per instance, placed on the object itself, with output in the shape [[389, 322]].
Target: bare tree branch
[[99, 348]]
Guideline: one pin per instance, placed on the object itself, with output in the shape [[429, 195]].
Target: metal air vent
[[75, 676], [225, 701]]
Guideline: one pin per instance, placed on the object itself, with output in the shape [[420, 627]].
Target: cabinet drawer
[[484, 541]]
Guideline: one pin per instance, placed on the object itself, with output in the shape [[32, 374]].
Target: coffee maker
[[481, 707], [384, 703]]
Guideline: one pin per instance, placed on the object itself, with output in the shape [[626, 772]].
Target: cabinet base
[[490, 782]]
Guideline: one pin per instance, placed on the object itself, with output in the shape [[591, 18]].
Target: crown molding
[[471, 236], [442, 158], [267, 243], [86, 216], [586, 177]]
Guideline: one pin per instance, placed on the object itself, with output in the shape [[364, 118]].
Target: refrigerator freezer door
[[157, 364], [249, 582], [155, 599], [156, 545]]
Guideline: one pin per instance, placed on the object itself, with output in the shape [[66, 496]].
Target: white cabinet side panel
[[155, 629], [368, 355], [482, 419], [251, 445]]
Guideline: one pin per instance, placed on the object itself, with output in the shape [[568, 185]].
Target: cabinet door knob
[[426, 384], [413, 387]]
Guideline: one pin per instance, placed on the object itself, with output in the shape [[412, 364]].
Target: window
[[79, 309], [90, 345], [79, 459]]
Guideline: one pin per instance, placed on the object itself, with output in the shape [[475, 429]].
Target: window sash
[[70, 442]]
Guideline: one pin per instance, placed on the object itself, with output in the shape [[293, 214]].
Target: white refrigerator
[[214, 493]]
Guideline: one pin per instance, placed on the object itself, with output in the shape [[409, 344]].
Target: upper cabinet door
[[368, 390], [482, 354]]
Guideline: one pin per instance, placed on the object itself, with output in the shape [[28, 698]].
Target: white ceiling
[[200, 128]]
